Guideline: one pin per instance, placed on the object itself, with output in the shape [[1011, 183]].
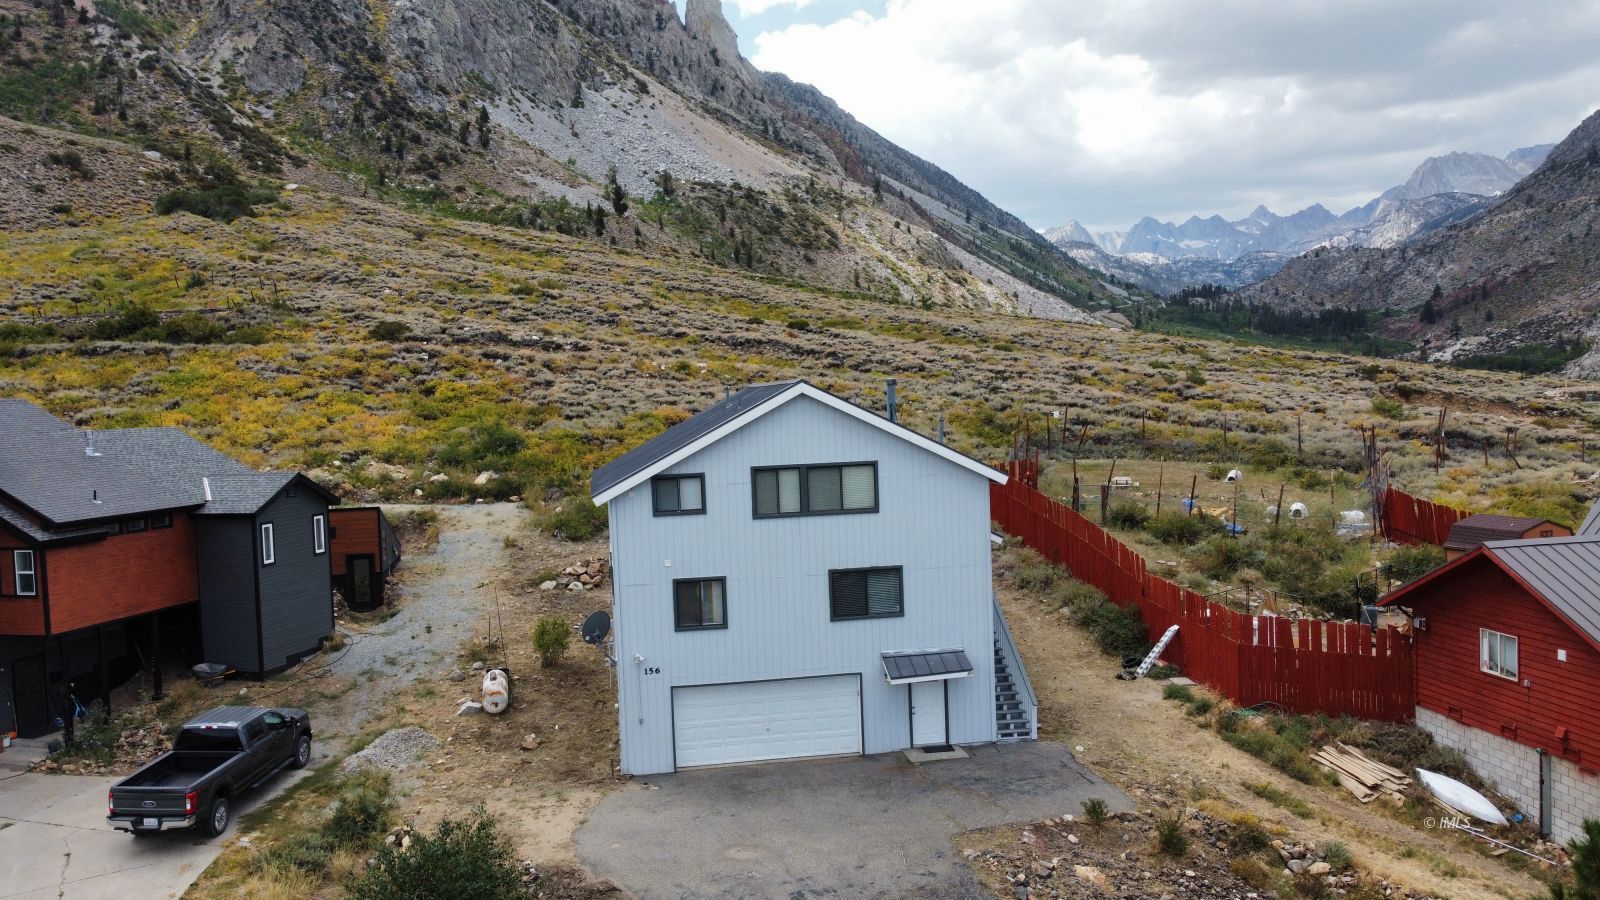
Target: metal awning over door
[[909, 667]]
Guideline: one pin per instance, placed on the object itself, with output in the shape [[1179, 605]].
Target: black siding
[[228, 563], [297, 590]]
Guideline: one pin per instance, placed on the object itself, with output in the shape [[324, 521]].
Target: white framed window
[[269, 552], [319, 535], [27, 577], [1497, 653]]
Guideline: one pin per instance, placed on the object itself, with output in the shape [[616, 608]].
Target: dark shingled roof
[[1482, 528], [31, 529], [925, 664], [1564, 571], [53, 484], [683, 434]]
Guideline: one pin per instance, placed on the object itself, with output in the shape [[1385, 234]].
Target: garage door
[[755, 720]]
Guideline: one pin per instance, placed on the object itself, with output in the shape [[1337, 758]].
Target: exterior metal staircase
[[1016, 707]]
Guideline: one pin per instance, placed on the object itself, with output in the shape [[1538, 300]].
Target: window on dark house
[[866, 593], [269, 552], [678, 495], [26, 578], [700, 603], [319, 535]]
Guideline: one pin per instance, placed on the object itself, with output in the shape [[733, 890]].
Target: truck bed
[[178, 769]]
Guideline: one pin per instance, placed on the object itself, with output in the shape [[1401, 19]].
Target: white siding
[[933, 520]]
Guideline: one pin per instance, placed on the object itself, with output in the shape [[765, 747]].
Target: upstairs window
[[269, 552], [319, 535], [866, 593], [700, 603], [161, 520], [27, 580], [815, 490], [135, 525], [678, 495], [1497, 653]]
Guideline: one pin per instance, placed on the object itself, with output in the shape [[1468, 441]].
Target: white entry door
[[715, 724], [928, 727]]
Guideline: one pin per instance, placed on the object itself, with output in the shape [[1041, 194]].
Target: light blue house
[[797, 576]]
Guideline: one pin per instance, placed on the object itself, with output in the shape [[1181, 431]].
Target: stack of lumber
[[1363, 776]]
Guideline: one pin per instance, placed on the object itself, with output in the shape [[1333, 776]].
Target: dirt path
[[445, 592], [1147, 746]]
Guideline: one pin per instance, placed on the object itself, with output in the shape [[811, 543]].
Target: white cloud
[[757, 7], [1105, 110]]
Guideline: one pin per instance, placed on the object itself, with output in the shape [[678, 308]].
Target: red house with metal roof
[[1508, 670]]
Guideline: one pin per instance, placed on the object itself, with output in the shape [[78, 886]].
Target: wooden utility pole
[[1161, 480], [1438, 442], [1111, 474], [1486, 451], [1511, 445], [1299, 445], [1277, 511], [1105, 501], [1234, 531], [1194, 483]]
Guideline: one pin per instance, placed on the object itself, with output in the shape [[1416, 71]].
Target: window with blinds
[[865, 593], [700, 603], [815, 490], [678, 495]]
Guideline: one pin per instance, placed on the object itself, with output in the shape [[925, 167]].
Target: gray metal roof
[[925, 664], [1591, 522], [46, 469], [683, 434], [1564, 571]]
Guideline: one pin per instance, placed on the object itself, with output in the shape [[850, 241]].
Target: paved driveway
[[55, 843], [869, 827]]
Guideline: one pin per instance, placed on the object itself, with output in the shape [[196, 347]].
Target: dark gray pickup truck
[[214, 759]]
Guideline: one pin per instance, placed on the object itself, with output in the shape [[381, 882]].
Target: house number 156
[[652, 670]]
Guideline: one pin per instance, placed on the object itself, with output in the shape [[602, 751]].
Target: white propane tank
[[496, 691]]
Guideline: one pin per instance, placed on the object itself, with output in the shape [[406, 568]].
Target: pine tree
[[1430, 313], [615, 193]]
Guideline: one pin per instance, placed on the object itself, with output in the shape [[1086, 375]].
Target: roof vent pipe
[[892, 410], [206, 483], [88, 443], [94, 496]]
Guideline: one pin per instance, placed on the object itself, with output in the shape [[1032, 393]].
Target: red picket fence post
[[1305, 667]]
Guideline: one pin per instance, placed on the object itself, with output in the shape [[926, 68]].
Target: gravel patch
[[393, 750]]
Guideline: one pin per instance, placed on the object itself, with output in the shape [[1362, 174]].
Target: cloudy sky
[[1108, 110]]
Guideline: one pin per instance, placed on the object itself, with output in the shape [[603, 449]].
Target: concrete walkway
[[55, 843], [866, 827]]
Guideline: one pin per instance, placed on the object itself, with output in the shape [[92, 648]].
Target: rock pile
[[582, 576], [392, 750]]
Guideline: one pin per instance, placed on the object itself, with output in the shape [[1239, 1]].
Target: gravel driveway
[[444, 598]]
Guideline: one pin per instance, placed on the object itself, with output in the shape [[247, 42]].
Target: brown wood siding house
[[100, 561], [1476, 530], [365, 553]]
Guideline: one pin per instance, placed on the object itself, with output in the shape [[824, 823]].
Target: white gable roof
[[632, 479]]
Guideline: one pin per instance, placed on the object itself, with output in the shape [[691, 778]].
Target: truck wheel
[[302, 752], [216, 821]]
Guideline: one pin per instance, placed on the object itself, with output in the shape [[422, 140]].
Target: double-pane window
[[678, 495], [700, 603], [866, 593], [1497, 653]]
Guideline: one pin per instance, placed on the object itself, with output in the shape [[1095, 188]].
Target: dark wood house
[[121, 547], [1508, 670], [1476, 530], [366, 551]]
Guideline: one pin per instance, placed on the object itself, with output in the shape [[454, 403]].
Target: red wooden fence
[[1412, 520], [1303, 666]]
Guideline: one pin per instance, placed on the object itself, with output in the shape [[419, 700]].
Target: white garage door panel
[[755, 720]]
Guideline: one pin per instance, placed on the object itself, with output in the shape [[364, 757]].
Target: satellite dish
[[596, 627]]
